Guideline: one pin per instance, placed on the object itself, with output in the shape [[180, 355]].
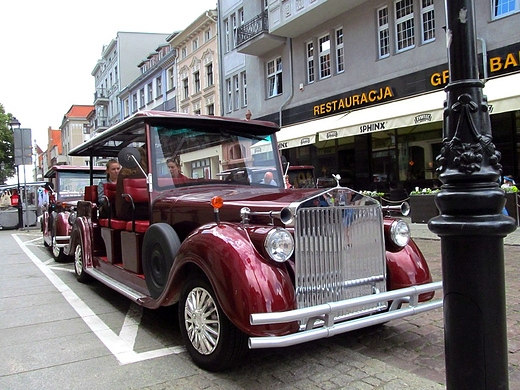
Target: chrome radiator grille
[[339, 254]]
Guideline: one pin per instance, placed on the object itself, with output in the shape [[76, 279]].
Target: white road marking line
[[119, 347], [131, 324]]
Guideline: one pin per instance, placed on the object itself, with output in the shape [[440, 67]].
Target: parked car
[[249, 264], [66, 186]]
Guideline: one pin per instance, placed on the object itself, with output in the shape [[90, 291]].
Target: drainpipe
[[220, 62], [289, 41], [484, 57]]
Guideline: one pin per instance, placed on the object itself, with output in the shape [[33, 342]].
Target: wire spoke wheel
[[202, 321]]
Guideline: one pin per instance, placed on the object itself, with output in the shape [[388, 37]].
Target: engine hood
[[192, 205]]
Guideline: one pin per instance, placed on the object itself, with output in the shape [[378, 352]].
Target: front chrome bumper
[[405, 302]]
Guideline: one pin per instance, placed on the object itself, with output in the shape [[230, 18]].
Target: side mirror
[[129, 157]]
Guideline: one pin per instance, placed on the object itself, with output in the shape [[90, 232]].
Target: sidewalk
[[420, 230]]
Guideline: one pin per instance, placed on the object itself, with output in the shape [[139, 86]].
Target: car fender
[[243, 281], [82, 234], [45, 226], [61, 223], [408, 267]]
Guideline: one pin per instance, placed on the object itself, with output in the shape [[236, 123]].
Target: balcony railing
[[101, 93], [254, 27]]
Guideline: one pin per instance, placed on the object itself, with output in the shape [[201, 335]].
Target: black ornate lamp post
[[15, 123], [471, 224]]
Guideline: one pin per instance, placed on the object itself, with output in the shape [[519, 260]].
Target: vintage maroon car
[[67, 185], [250, 264]]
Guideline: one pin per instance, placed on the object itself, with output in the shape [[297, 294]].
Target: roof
[[122, 134], [79, 111], [70, 168]]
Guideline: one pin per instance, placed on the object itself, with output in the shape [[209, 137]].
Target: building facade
[[116, 69], [155, 88], [197, 66], [74, 131], [357, 86]]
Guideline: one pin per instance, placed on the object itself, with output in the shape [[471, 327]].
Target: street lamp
[[15, 123], [471, 225]]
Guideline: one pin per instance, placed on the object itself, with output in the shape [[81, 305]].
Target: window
[[127, 107], [207, 35], [505, 7], [196, 81], [141, 97], [274, 77], [404, 25], [427, 21], [195, 44], [184, 52], [134, 102], [210, 109], [237, 92], [383, 32], [310, 62], [229, 97], [235, 28], [340, 58], [150, 92], [171, 78], [226, 35], [209, 75], [244, 89], [158, 86], [324, 52], [185, 88]]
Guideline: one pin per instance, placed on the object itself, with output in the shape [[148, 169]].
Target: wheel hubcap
[[202, 321], [55, 248], [78, 260]]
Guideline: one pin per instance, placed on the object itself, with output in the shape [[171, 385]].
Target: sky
[[49, 49]]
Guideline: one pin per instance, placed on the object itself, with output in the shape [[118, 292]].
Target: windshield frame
[[212, 155]]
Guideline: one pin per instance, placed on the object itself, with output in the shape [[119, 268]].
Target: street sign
[[22, 146]]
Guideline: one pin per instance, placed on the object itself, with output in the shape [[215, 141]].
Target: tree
[[6, 146]]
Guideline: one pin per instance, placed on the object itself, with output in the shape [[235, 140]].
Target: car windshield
[[71, 185], [193, 156]]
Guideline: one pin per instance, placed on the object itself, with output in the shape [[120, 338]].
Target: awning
[[299, 135], [502, 92], [403, 113]]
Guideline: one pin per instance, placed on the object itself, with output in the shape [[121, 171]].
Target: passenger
[[112, 171], [124, 206], [175, 169], [287, 182], [269, 179]]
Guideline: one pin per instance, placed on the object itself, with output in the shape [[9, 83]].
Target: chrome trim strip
[[114, 284]]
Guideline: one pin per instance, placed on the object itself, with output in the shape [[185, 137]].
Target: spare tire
[[160, 246]]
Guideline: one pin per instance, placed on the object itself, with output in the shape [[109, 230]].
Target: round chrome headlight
[[279, 245], [400, 233]]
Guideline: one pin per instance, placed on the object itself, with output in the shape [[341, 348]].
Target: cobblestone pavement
[[372, 358], [402, 354]]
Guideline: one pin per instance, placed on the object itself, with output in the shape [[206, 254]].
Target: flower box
[[512, 205], [422, 208]]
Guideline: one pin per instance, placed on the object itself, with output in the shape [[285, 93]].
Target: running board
[[128, 292]]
